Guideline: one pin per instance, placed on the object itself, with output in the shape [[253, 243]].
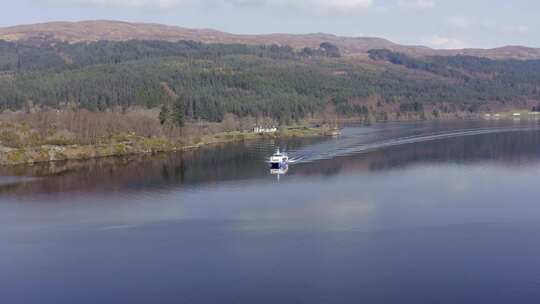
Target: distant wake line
[[6, 180], [349, 147]]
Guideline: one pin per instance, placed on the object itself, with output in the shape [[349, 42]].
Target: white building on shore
[[259, 129]]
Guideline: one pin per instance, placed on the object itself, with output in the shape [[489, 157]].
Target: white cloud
[[156, 4], [416, 4], [381, 9], [319, 5], [487, 25], [523, 29], [515, 29], [441, 42], [508, 29], [346, 4], [309, 5], [459, 22]]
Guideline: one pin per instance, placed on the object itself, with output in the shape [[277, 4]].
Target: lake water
[[392, 213]]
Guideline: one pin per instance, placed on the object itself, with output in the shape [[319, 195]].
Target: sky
[[435, 23]]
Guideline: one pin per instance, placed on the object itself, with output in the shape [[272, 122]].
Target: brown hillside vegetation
[[121, 31]]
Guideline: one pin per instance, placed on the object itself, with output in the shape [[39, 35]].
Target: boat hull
[[278, 165]]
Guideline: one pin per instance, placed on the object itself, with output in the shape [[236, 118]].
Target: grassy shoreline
[[133, 144], [123, 144]]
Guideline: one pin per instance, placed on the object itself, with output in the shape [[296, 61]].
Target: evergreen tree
[[164, 114], [178, 113]]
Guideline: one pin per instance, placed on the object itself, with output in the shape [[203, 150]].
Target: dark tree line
[[59, 56], [480, 79]]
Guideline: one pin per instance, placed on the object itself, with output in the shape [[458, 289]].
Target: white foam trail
[[353, 145], [6, 180], [294, 160]]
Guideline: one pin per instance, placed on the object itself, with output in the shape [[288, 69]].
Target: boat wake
[[357, 143], [8, 180]]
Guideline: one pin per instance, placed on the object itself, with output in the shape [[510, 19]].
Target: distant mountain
[[86, 31]]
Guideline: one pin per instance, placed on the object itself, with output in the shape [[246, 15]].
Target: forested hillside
[[206, 81]]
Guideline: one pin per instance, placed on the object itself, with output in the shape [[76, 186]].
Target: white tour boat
[[279, 160]]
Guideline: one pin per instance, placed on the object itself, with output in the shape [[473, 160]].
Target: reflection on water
[[390, 213], [136, 173], [384, 146], [279, 172]]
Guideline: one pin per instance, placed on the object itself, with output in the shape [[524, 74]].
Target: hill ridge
[[116, 30]]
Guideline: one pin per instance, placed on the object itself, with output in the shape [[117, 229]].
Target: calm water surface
[[392, 213]]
